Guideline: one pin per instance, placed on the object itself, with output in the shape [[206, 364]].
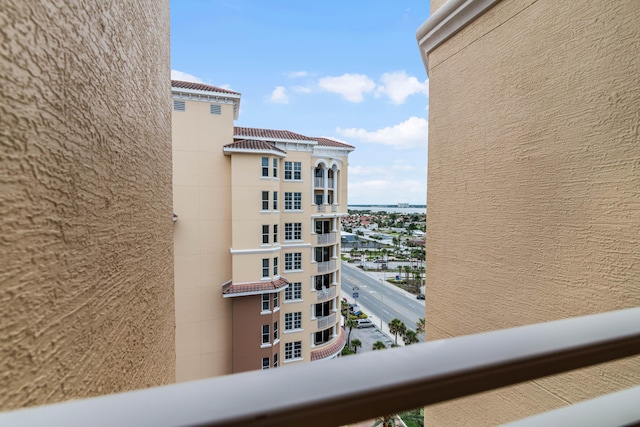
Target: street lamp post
[[381, 303]]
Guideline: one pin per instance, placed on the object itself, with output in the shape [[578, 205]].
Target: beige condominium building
[[257, 235], [534, 181]]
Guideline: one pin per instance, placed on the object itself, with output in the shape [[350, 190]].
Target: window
[[179, 106], [275, 331], [276, 301], [265, 267], [293, 321], [275, 272], [275, 233], [265, 363], [323, 309], [323, 253], [292, 170], [293, 350], [265, 234], [266, 336], [216, 109], [275, 168], [265, 302], [294, 291], [323, 227], [293, 261], [275, 200], [322, 282], [293, 231], [265, 200], [323, 336], [265, 166], [292, 201], [275, 360]]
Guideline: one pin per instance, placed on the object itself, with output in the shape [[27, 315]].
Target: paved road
[[383, 300]]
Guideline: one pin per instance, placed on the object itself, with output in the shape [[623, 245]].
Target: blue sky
[[347, 70]]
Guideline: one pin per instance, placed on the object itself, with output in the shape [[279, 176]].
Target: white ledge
[[453, 16]]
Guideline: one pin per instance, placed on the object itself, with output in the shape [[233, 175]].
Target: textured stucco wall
[[534, 185], [86, 271]]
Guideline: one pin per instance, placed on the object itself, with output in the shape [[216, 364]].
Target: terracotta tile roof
[[269, 134], [331, 143], [250, 144], [201, 86], [254, 288], [332, 349]]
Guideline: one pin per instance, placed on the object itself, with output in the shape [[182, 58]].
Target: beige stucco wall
[[202, 201], [534, 185], [86, 277]]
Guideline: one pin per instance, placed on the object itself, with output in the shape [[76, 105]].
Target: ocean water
[[375, 208]]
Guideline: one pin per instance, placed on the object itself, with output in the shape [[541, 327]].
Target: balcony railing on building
[[326, 266], [319, 183], [326, 321], [430, 373], [326, 294], [327, 238], [322, 208]]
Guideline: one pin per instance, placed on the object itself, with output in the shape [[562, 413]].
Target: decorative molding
[[228, 150], [253, 251], [453, 16]]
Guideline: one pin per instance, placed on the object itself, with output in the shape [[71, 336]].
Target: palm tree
[[356, 343], [397, 327], [350, 323], [420, 326], [407, 269], [379, 345], [410, 337]]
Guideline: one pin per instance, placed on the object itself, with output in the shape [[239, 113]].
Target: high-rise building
[[534, 181], [257, 239]]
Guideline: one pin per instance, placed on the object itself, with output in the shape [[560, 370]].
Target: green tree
[[396, 326], [407, 269], [379, 345], [356, 344], [410, 337], [420, 326], [350, 323]]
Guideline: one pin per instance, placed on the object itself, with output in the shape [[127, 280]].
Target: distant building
[[257, 247]]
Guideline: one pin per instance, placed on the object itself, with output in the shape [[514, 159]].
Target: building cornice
[[208, 96], [453, 16], [227, 150], [254, 251]]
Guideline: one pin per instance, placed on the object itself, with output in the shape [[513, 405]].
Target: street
[[383, 300]]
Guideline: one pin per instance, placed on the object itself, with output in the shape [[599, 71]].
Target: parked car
[[364, 323], [379, 261], [420, 296]]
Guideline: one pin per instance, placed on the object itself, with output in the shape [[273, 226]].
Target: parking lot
[[368, 336]]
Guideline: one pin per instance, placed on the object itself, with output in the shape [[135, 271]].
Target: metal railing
[[326, 238], [326, 266], [413, 376], [318, 182], [326, 294], [326, 321], [322, 208], [334, 208]]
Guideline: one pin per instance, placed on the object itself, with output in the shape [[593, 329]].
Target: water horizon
[[419, 209]]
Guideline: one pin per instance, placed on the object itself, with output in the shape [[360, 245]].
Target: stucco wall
[[86, 276], [534, 185], [202, 200]]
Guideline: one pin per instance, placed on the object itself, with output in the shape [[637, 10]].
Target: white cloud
[[296, 74], [301, 89], [351, 86], [384, 191], [412, 133], [279, 95], [399, 86], [185, 77]]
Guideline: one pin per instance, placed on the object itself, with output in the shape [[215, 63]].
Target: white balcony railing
[[334, 208], [330, 183], [326, 321], [326, 294], [322, 208], [327, 238], [326, 266], [430, 373], [318, 182]]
